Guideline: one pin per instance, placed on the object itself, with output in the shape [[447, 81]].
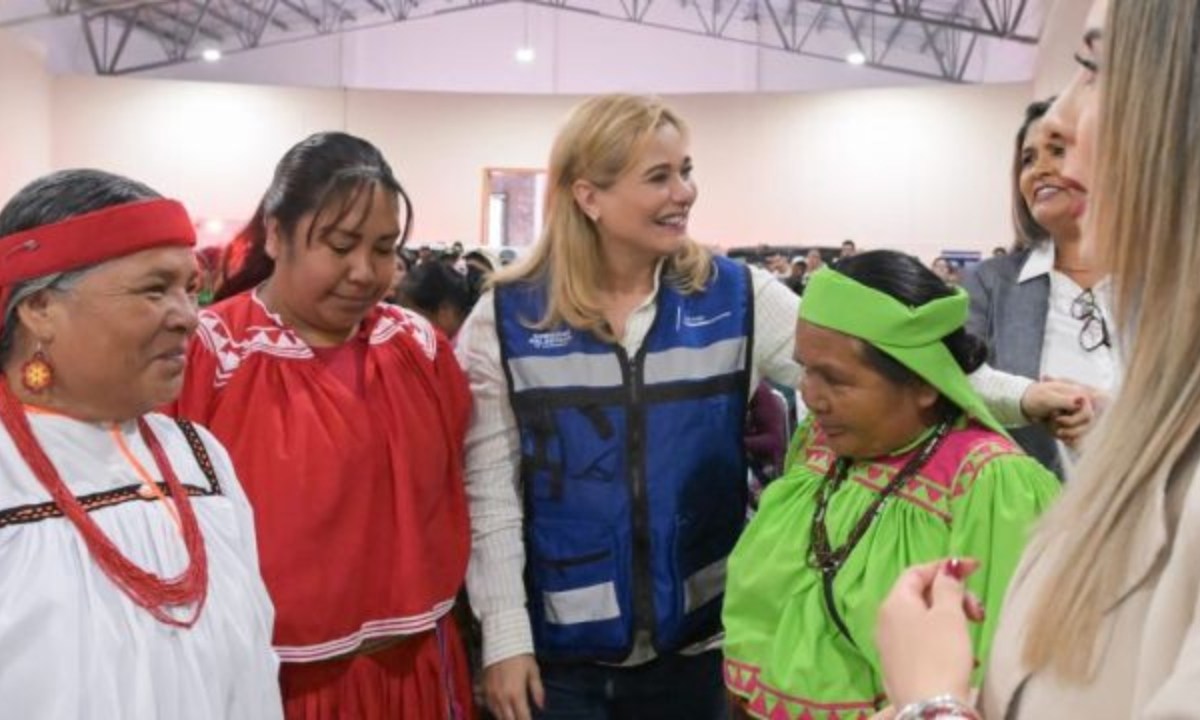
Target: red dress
[[352, 460]]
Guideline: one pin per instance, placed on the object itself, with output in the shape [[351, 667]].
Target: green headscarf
[[911, 335]]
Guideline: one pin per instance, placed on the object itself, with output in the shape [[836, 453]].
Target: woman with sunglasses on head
[[1103, 616], [1045, 310]]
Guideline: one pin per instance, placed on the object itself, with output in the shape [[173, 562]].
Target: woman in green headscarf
[[898, 463]]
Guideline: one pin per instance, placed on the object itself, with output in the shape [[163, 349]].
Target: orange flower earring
[[36, 373]]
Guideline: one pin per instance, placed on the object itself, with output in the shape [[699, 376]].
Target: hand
[[1068, 409], [1070, 427], [922, 633], [1045, 400], [509, 684]]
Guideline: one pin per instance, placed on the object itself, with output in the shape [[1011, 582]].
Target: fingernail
[[954, 568]]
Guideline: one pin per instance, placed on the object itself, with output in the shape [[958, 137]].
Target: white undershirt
[[1063, 353]]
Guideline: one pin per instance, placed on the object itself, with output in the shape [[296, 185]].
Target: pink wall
[[918, 168], [213, 146], [25, 96]]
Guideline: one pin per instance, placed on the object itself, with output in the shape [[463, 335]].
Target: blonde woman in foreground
[[1100, 621]]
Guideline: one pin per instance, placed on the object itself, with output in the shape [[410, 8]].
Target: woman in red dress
[[345, 418]]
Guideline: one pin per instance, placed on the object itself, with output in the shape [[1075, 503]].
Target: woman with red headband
[[345, 417], [129, 581]]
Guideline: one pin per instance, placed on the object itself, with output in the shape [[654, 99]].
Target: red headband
[[92, 238]]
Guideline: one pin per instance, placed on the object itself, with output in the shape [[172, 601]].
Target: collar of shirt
[[658, 271], [1040, 262], [642, 316]]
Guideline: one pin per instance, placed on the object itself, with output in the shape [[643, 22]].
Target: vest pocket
[[578, 604], [702, 547]]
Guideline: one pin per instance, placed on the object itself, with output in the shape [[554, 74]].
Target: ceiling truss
[[935, 39]]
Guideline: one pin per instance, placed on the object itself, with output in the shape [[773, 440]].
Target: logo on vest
[[550, 340], [702, 321]]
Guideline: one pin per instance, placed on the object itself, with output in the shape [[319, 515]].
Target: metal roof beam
[[947, 38]]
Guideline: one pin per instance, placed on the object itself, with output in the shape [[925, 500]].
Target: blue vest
[[633, 470]]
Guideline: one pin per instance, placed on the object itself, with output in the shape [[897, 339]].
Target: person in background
[[480, 266], [955, 274], [1101, 621], [813, 262], [129, 577], [1044, 310], [898, 462], [481, 260], [941, 268], [403, 266], [776, 264], [848, 250], [208, 259], [999, 251], [454, 258], [767, 432], [424, 255], [799, 269], [346, 417], [440, 294], [606, 470], [507, 256]]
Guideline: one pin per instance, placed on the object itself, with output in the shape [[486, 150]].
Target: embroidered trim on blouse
[[764, 701], [36, 512]]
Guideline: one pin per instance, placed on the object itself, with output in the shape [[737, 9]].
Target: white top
[[494, 575], [73, 645], [1063, 355]]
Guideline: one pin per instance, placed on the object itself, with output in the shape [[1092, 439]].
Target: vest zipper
[[642, 580]]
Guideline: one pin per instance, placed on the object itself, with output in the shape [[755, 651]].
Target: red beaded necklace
[[144, 588]]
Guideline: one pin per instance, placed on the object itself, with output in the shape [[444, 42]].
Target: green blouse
[[977, 496]]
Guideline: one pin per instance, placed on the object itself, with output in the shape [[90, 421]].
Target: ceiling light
[[213, 226], [856, 58], [525, 52], [211, 55]]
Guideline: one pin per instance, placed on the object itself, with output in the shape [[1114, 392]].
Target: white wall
[[212, 145], [922, 169], [918, 168], [25, 135]]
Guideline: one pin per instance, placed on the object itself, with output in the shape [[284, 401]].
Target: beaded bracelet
[[942, 707]]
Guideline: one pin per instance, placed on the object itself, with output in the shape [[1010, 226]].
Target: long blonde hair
[[1147, 221], [601, 141]]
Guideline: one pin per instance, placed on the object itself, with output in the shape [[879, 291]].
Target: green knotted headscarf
[[911, 335]]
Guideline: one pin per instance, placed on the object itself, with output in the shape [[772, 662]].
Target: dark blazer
[[1011, 318]]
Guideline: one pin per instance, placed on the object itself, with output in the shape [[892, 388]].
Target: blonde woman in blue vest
[[605, 469]]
